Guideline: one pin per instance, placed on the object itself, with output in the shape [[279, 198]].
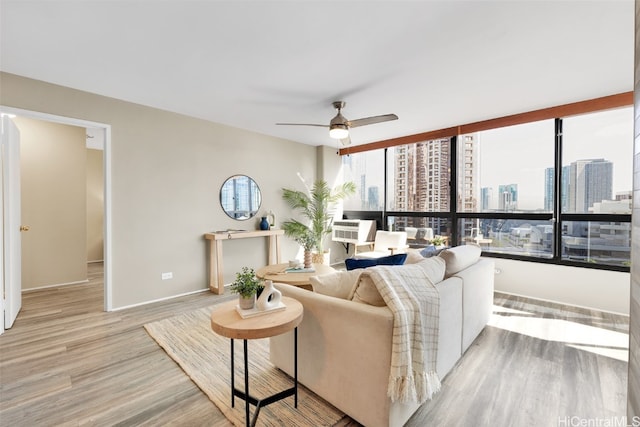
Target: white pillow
[[413, 257], [434, 267], [460, 257], [365, 292], [338, 284]]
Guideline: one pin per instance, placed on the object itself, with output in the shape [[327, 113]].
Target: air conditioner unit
[[355, 231]]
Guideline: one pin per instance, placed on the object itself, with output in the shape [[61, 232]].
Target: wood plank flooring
[[67, 363]]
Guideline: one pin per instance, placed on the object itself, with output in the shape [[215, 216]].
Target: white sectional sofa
[[344, 346]]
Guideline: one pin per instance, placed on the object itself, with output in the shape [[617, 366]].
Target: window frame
[[557, 217]]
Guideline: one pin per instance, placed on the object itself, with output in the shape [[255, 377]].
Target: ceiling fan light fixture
[[338, 131]]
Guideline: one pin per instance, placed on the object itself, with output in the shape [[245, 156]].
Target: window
[[421, 230], [596, 179], [418, 177], [554, 190], [521, 237], [597, 162], [597, 242], [366, 171], [503, 170]]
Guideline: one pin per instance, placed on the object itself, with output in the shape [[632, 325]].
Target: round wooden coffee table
[[226, 321], [278, 274]]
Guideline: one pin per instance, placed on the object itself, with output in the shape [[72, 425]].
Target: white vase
[[269, 298]]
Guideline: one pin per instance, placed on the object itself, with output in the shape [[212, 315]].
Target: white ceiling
[[250, 64]]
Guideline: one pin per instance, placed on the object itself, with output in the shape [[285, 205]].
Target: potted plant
[[317, 206], [246, 286], [307, 241], [438, 241]]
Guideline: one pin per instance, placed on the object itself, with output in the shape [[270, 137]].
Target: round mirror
[[240, 197]]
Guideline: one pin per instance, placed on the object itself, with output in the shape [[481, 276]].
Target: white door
[[12, 295]]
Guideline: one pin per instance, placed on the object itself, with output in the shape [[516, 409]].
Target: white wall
[[633, 394], [585, 287]]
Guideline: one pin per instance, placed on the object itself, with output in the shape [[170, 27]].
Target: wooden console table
[[216, 280]]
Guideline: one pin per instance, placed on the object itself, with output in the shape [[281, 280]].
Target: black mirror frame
[[234, 207]]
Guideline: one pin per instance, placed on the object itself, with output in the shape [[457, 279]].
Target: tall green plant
[[317, 206]]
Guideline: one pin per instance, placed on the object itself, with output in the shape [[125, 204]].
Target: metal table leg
[[259, 403]]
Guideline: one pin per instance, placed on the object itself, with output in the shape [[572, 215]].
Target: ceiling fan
[[339, 126]]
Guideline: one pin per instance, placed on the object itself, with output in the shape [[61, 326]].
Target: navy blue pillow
[[353, 263]]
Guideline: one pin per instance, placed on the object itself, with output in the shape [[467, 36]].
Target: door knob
[[24, 228]]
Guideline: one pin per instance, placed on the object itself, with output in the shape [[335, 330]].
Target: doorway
[[91, 129]]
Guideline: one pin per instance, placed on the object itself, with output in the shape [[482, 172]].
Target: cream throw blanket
[[415, 304]]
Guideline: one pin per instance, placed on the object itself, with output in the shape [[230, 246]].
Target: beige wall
[[329, 168], [633, 395], [95, 205], [53, 164], [166, 174]]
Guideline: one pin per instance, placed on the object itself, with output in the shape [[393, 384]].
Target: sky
[[520, 154]]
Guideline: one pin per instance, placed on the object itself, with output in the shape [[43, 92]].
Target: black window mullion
[[557, 193], [385, 220], [453, 188]]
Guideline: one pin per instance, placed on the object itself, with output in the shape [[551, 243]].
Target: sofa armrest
[[344, 348]]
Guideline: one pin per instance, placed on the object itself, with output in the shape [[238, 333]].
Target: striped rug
[[205, 357]]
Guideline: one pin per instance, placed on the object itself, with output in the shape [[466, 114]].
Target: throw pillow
[[413, 257], [338, 284], [354, 263], [460, 257], [434, 267], [430, 251], [365, 292]]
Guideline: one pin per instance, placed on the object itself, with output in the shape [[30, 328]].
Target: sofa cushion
[[413, 257], [434, 267], [338, 284], [353, 263], [430, 251], [365, 291], [460, 257]]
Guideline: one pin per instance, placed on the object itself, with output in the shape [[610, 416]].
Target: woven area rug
[[205, 357]]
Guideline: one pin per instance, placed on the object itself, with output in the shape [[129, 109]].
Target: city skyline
[[520, 155]]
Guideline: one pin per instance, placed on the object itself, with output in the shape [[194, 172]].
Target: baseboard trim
[[79, 282], [160, 299], [562, 303]]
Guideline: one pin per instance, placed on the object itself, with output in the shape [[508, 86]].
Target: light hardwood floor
[[66, 362]]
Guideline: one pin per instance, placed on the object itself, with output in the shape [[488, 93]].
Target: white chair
[[386, 243]]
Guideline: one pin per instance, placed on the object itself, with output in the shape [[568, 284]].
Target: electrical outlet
[[167, 276]]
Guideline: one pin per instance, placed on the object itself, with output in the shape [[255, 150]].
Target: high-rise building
[[508, 197], [485, 198], [468, 180], [401, 195], [549, 185], [422, 180], [373, 199], [590, 181]]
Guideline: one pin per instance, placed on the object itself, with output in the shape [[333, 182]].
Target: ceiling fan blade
[[302, 124], [371, 120], [346, 141]]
